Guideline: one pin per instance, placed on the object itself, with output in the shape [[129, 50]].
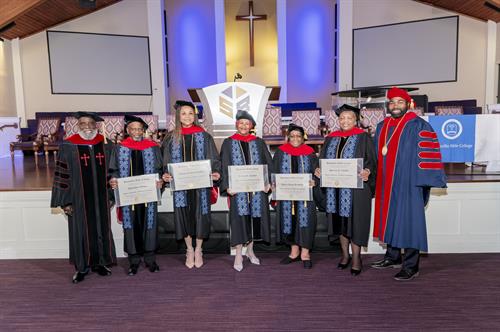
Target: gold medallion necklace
[[385, 148]]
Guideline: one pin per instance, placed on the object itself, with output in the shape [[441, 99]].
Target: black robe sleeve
[[165, 148], [225, 155], [370, 161], [212, 153], [61, 189], [113, 167]]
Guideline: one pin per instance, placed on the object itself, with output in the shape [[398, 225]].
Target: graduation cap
[[179, 103], [131, 118], [347, 107], [292, 127], [93, 115], [245, 115]]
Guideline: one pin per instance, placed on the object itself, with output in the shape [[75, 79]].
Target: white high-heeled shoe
[[198, 258], [190, 258], [238, 267], [253, 259]]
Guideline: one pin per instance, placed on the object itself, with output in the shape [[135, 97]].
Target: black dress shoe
[[341, 266], [386, 263], [132, 271], [308, 264], [355, 272], [102, 270], [288, 260], [78, 277], [405, 275], [154, 267]]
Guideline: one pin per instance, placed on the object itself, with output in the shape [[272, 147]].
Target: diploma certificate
[[190, 175], [137, 190], [292, 187], [247, 178], [341, 173]]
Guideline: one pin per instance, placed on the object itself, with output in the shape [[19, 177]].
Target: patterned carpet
[[453, 292]]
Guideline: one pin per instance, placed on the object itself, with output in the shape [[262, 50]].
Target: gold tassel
[[293, 209], [305, 204], [104, 132], [195, 110]]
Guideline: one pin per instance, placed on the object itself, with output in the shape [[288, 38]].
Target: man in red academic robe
[[409, 164]]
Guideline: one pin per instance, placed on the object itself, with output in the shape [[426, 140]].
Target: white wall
[[7, 94], [472, 44], [128, 17]]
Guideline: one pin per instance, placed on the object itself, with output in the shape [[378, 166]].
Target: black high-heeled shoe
[[341, 266], [355, 272]]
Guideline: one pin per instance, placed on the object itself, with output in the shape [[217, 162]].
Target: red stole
[[191, 130], [303, 150], [242, 138], [351, 132], [77, 139], [138, 145]]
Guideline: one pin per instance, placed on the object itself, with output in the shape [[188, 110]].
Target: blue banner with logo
[[456, 135]]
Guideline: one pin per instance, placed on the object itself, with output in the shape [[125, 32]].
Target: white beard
[[88, 134]]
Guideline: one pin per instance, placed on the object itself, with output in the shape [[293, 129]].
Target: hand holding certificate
[[292, 187], [247, 178], [190, 175], [341, 173], [137, 190]]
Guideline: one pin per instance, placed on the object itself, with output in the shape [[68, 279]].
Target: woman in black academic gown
[[349, 210], [189, 142], [296, 224], [248, 212]]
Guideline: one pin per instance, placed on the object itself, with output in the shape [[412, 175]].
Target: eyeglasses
[[136, 129]]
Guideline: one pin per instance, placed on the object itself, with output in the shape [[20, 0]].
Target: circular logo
[[451, 129]]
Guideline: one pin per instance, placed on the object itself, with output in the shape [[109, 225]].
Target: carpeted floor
[[453, 292]]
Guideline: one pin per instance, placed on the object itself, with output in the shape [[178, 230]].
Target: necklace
[[385, 148]]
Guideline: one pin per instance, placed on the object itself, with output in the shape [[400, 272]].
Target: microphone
[[237, 77]]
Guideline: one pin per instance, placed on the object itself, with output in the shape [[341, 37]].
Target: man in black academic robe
[[80, 189], [138, 156]]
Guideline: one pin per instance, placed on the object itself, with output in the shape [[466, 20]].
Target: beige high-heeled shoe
[[198, 258], [253, 259], [190, 261], [238, 266]]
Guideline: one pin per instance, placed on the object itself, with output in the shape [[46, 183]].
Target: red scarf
[[242, 138], [350, 132], [138, 145], [303, 150], [191, 130], [77, 139]]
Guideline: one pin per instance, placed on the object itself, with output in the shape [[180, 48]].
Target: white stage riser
[[464, 218]]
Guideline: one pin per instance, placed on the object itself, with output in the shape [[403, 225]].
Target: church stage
[[463, 218]]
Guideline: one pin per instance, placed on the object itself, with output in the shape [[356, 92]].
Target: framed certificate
[[137, 190], [291, 187], [341, 173], [247, 178], [190, 175]]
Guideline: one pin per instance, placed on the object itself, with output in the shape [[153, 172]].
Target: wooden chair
[[449, 110], [112, 127], [272, 131], [418, 111], [331, 121], [152, 131], [370, 117], [311, 122], [47, 129]]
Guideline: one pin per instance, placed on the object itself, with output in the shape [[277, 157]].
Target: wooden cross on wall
[[250, 18]]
